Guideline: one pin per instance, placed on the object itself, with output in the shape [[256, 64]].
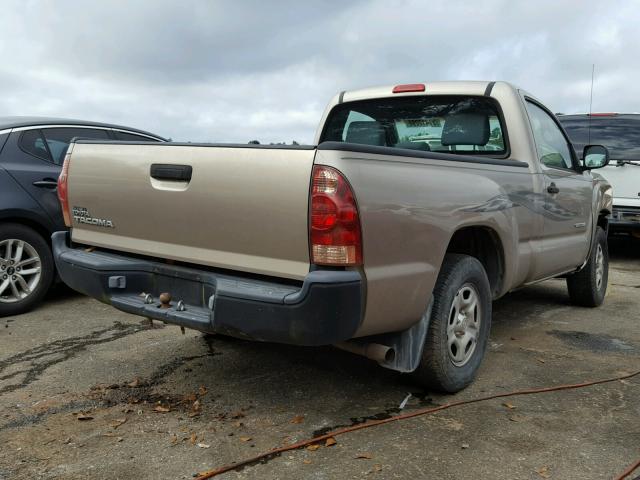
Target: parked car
[[31, 153], [381, 239], [620, 133]]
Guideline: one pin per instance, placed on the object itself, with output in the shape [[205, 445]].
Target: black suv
[[31, 153]]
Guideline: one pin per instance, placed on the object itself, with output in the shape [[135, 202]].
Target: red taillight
[[335, 224], [410, 87], [63, 193], [603, 114]]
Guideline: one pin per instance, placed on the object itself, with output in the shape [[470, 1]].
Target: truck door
[[567, 197]]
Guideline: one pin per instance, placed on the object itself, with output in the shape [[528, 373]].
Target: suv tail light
[[334, 235], [63, 192]]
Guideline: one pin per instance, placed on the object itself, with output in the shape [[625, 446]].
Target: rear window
[[620, 134], [451, 124]]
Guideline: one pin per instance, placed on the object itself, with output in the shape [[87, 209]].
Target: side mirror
[[595, 156]]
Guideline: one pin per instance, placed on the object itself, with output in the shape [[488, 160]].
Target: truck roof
[[460, 87], [599, 114]]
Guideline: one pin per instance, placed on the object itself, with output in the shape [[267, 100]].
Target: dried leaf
[[377, 467], [193, 439], [364, 456], [245, 439], [203, 445], [135, 383], [330, 442], [190, 397], [306, 462], [161, 409], [84, 417], [508, 405], [202, 390], [313, 448], [543, 472], [118, 422], [238, 424], [540, 360], [297, 419], [174, 439]]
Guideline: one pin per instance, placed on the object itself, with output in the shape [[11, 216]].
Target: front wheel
[[588, 287], [26, 269], [459, 325]]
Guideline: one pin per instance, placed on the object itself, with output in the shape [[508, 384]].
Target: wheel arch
[[29, 219], [483, 243]]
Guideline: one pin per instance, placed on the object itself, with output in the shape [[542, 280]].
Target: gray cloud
[[235, 71]]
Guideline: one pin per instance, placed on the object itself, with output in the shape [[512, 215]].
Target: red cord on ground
[[628, 471], [415, 413]]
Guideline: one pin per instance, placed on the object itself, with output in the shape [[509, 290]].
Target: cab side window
[[32, 142], [59, 138], [132, 137], [551, 144]]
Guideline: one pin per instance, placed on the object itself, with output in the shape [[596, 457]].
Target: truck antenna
[[593, 69]]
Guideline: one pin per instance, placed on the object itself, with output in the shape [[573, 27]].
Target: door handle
[[46, 183], [180, 173], [553, 189]]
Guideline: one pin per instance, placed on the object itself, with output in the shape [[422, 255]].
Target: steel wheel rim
[[599, 266], [20, 270], [463, 327]]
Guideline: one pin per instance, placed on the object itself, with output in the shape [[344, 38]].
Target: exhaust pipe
[[373, 351]]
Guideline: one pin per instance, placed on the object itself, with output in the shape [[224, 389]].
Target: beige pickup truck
[[390, 237]]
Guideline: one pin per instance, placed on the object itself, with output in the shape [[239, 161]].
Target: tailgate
[[243, 208]]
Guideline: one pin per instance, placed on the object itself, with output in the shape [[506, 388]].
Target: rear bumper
[[326, 309]]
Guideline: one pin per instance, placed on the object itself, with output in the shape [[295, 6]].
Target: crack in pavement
[[140, 393], [44, 356]]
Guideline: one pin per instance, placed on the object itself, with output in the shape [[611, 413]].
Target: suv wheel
[[26, 268], [459, 325], [588, 287]]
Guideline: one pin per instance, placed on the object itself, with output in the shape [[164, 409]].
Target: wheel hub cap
[[463, 328], [20, 270], [599, 266]]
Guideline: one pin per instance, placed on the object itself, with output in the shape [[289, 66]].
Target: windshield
[[620, 134], [451, 124]]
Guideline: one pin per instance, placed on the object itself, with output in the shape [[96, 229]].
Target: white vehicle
[[620, 133]]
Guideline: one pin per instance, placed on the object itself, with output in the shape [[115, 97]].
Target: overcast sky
[[240, 70]]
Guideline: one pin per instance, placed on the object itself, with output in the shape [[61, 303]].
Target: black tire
[[587, 287], [14, 231], [437, 369]]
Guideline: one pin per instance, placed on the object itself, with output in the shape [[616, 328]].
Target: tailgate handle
[[163, 171]]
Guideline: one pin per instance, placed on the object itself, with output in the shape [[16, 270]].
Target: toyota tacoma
[[417, 206]]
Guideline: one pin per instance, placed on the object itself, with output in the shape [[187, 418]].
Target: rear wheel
[[588, 287], [26, 269], [459, 325]]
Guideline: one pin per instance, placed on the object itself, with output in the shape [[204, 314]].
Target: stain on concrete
[[594, 342]]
